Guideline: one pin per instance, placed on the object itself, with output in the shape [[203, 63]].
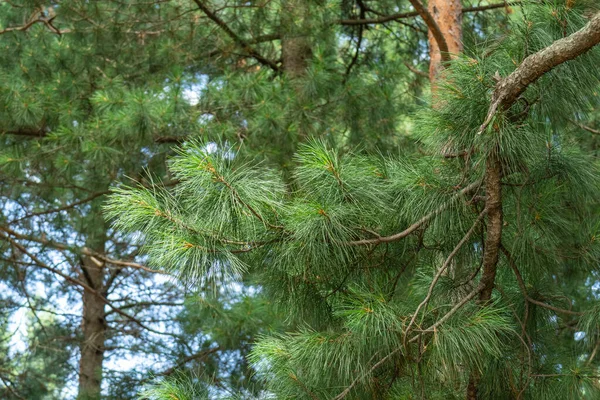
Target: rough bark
[[447, 14], [493, 239], [93, 322], [509, 89]]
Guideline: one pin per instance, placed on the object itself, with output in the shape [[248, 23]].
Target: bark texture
[[447, 14], [536, 65], [93, 322], [493, 239]]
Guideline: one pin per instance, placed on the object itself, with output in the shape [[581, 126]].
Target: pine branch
[[200, 355], [238, 40], [450, 313], [41, 20], [432, 328], [444, 267], [358, 43], [523, 289], [536, 65], [587, 128], [416, 71], [416, 225], [505, 95], [379, 363]]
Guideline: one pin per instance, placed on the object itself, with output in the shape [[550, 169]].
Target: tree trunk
[[93, 321], [296, 53], [448, 15], [295, 46]]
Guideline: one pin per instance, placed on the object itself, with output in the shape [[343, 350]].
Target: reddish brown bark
[[448, 16], [493, 239]]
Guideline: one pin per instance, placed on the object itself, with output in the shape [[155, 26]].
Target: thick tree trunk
[[93, 322], [448, 16], [296, 53]]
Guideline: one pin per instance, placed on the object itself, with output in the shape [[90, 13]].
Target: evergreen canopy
[[333, 228], [455, 270]]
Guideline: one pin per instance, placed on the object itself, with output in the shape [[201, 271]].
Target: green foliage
[[179, 387], [370, 311]]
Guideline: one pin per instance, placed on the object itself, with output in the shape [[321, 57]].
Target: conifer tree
[[93, 93], [459, 268]]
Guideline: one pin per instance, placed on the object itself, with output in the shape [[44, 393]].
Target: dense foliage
[[331, 230], [378, 310]]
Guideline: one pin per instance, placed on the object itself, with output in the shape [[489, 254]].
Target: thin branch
[[594, 352], [200, 355], [238, 40], [358, 43], [450, 313], [586, 128], [523, 288], [412, 14], [416, 225], [346, 391], [432, 328], [444, 267], [63, 208], [416, 71], [84, 251]]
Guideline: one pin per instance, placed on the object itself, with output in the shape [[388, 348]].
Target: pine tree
[[458, 268], [92, 93]]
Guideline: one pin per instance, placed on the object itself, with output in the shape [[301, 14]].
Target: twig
[[443, 268]]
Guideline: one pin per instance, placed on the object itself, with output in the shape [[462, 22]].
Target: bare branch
[[536, 65], [63, 208], [412, 14], [238, 40], [416, 225]]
